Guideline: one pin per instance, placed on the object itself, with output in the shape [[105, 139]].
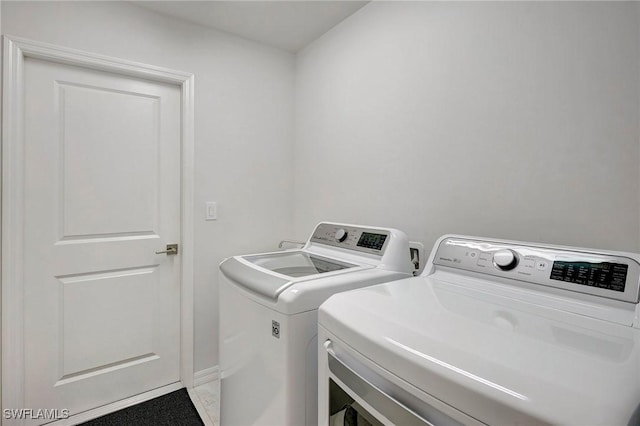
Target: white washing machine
[[268, 317], [493, 332]]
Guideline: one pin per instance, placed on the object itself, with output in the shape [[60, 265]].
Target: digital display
[[371, 241], [610, 276]]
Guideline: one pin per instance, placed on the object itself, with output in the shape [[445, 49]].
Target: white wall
[[244, 112], [516, 120], [508, 119]]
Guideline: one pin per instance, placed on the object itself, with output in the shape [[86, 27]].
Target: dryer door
[[351, 389]]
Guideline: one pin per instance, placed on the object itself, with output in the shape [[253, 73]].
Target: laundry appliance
[[268, 317], [493, 332]]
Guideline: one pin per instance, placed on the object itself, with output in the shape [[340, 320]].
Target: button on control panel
[[590, 272], [484, 260], [541, 265]]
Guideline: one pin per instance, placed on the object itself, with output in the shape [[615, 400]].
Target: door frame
[[16, 49]]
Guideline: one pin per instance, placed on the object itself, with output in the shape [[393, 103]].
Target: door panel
[[87, 299], [126, 153], [102, 184]]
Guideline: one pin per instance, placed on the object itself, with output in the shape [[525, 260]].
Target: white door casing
[[69, 253]]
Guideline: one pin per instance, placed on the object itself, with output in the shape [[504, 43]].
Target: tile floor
[[206, 399]]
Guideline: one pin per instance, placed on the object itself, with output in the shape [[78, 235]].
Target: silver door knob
[[171, 250]]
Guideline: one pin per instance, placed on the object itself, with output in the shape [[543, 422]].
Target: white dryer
[[493, 332], [268, 317]]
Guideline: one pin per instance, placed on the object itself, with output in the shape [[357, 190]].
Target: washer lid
[[270, 274], [297, 263], [498, 359]]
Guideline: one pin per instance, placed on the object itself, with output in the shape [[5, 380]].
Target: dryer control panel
[[366, 240], [606, 274]]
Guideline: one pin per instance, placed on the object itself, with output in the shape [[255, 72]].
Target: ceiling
[[288, 25]]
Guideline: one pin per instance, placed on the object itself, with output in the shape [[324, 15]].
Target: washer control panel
[[596, 273], [366, 240]]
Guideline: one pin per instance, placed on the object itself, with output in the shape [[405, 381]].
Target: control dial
[[341, 235], [505, 259]]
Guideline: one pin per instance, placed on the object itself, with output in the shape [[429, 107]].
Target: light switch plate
[[211, 211]]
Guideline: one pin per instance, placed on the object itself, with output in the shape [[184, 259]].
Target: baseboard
[[200, 408], [205, 376], [199, 378], [118, 405]]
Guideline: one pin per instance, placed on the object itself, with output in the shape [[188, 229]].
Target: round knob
[[341, 235], [505, 259]]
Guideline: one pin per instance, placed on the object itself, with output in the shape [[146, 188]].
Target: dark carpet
[[172, 409]]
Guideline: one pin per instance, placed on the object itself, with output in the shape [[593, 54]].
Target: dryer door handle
[[391, 408]]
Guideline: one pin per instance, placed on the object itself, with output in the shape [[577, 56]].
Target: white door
[[102, 185]]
